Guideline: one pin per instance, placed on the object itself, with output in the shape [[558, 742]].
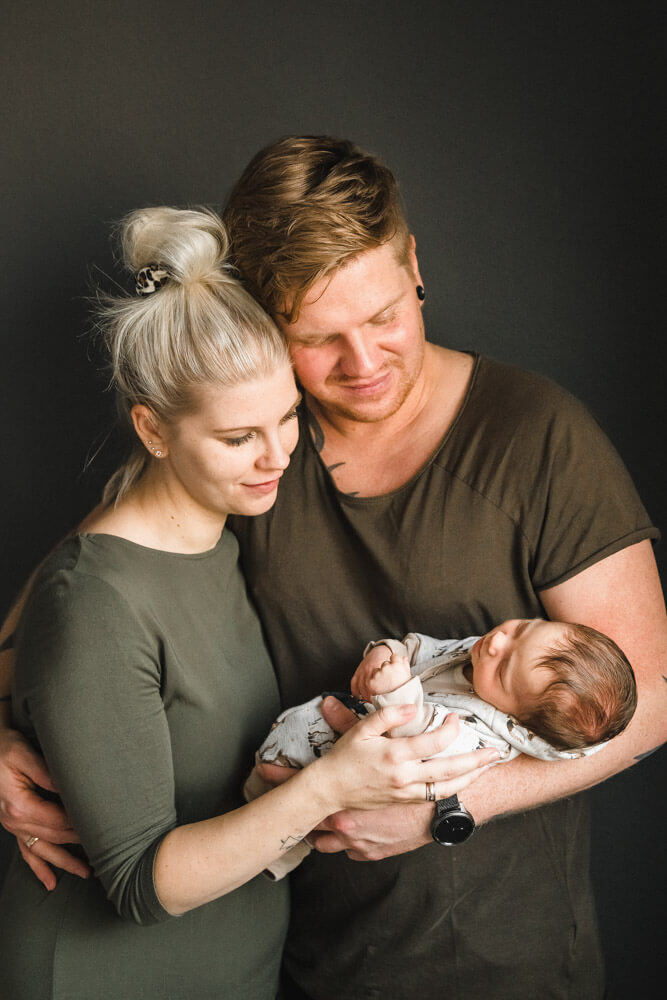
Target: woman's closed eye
[[237, 441]]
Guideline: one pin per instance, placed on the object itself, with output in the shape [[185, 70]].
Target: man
[[440, 492]]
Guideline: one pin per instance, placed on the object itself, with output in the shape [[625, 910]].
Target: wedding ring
[[30, 842], [430, 791]]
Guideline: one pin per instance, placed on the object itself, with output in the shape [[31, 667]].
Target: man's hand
[[371, 836], [25, 814]]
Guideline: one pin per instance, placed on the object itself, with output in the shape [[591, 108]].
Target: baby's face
[[505, 669]]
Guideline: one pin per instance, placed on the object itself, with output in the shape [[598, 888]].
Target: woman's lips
[[268, 487]]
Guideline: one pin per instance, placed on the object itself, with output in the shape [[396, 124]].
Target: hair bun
[[190, 245]]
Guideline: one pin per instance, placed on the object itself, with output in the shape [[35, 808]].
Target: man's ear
[[412, 260], [149, 430]]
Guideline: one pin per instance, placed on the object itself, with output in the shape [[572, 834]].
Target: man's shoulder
[[505, 383], [511, 407]]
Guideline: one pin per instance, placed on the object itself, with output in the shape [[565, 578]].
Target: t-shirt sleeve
[[87, 684], [589, 506]]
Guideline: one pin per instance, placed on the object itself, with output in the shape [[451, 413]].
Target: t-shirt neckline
[[350, 499]]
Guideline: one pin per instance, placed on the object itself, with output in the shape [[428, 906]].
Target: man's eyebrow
[[385, 308], [322, 334]]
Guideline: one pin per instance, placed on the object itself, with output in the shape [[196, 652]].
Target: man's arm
[[620, 596]]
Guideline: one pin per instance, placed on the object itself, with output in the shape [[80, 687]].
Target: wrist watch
[[452, 823]]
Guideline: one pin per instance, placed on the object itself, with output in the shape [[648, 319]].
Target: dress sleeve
[[87, 689]]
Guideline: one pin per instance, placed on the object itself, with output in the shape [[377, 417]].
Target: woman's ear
[[149, 430]]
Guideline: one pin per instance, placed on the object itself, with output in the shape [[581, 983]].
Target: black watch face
[[454, 828]]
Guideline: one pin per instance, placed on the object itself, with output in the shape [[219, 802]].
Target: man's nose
[[359, 355]]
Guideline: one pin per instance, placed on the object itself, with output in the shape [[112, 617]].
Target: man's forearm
[[525, 783], [621, 597]]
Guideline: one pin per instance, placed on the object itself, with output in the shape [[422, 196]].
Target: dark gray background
[[525, 137]]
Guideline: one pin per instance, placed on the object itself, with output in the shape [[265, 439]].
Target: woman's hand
[[24, 813], [368, 770]]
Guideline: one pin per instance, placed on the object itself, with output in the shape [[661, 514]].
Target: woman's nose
[[275, 455]]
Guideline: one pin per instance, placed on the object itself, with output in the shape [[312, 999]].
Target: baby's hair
[[198, 327], [592, 697]]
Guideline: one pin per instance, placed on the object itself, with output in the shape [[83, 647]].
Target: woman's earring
[[158, 453], [421, 294]]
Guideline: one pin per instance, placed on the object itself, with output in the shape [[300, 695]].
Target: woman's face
[[227, 454]]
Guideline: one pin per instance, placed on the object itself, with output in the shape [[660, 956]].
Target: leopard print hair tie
[[149, 279]]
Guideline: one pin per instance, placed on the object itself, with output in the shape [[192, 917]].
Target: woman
[[141, 672]]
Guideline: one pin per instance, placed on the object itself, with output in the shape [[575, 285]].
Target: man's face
[[358, 344]]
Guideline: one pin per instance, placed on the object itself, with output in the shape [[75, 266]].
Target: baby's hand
[[379, 672]]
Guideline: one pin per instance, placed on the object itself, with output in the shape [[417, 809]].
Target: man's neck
[[367, 458]]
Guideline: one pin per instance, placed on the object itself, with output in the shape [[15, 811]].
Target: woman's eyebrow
[[252, 427], [299, 397]]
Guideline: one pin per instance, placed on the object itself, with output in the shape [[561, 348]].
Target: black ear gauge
[[421, 294]]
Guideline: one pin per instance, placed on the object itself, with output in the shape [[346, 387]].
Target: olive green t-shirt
[[523, 492], [143, 678]]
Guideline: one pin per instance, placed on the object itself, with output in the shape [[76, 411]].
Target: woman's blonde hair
[[200, 326]]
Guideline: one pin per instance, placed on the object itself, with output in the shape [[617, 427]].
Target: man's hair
[[304, 207], [592, 697]]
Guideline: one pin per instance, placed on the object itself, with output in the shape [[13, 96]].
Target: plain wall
[[525, 139]]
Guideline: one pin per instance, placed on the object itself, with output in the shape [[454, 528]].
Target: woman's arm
[[201, 861], [88, 681]]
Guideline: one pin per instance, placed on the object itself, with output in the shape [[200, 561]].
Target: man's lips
[[367, 388]]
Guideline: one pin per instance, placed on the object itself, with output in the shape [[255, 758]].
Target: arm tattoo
[[8, 643]]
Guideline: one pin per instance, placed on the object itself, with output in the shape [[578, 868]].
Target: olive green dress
[[143, 677]]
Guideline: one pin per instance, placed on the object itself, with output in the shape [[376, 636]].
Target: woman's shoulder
[[75, 574]]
